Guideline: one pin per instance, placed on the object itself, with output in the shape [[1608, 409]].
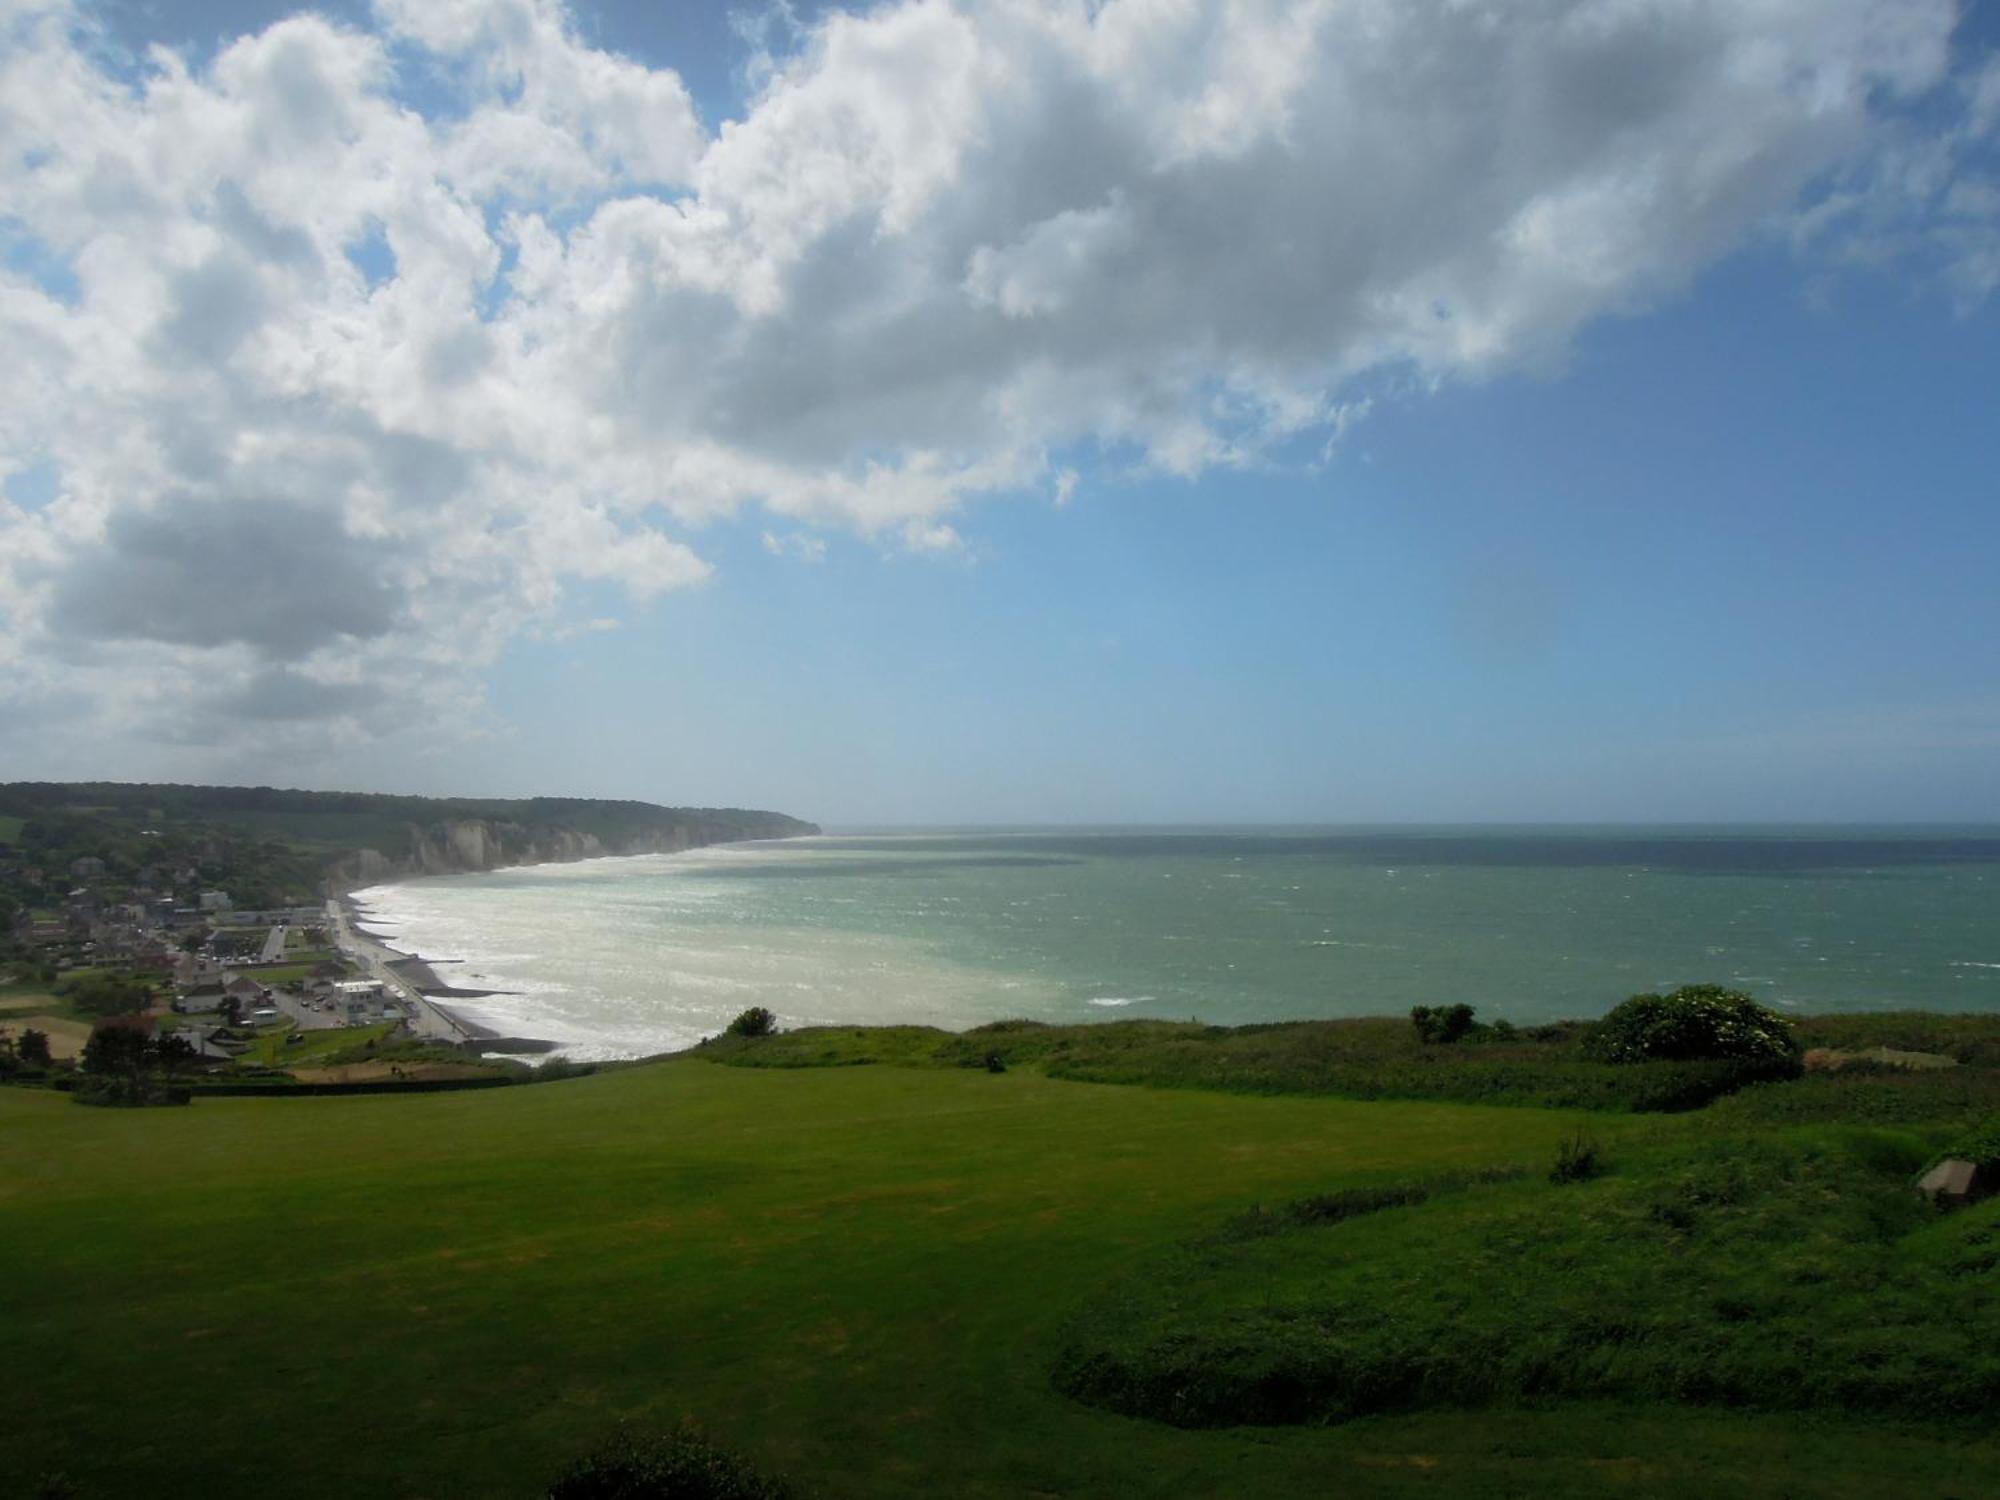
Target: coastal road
[[427, 1020]]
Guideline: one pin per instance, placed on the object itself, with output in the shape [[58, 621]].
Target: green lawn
[[859, 1276], [272, 1048], [295, 972]]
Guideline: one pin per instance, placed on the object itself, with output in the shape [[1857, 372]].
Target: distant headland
[[272, 847]]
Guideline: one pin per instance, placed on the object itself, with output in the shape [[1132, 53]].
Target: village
[[163, 952]]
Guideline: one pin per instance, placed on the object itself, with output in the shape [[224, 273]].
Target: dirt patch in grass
[[1830, 1059], [66, 1037], [375, 1072]]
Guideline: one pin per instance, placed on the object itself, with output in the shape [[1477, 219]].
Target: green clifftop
[[268, 845]]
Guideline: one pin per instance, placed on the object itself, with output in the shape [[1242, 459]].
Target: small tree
[[117, 1048], [175, 1052], [756, 1021], [1441, 1024], [33, 1048], [109, 994]]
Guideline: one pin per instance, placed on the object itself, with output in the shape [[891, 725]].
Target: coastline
[[416, 975], [422, 988]]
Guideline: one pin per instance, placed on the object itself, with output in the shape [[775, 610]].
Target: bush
[[756, 1021], [1578, 1159], [1441, 1024], [1696, 1023], [146, 1092], [680, 1466], [106, 995], [1981, 1147]]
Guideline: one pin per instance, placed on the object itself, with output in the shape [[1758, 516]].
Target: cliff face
[[468, 844]]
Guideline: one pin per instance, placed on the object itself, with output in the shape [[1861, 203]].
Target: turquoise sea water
[[622, 957]]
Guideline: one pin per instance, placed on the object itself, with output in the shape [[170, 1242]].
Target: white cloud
[[432, 370], [799, 544]]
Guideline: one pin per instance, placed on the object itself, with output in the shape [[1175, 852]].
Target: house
[[87, 868], [197, 998], [356, 998], [194, 968], [211, 901], [213, 1046], [247, 993]]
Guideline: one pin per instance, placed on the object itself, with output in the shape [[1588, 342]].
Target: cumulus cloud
[[344, 378], [282, 578]]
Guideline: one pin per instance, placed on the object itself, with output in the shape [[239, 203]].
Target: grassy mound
[[1542, 1067], [1785, 1270]]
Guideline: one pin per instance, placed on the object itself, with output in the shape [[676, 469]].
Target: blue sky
[[1685, 511], [1735, 561]]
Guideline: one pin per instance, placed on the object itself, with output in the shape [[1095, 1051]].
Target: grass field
[[66, 1034], [859, 1276], [274, 1048]]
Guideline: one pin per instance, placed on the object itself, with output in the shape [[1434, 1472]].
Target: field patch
[[1795, 1270], [66, 1037]]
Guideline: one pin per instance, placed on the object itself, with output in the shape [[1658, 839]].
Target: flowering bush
[[1697, 1021]]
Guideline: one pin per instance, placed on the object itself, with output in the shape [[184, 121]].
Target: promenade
[[427, 1018]]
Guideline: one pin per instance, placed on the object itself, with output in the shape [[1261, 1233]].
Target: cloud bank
[[353, 353]]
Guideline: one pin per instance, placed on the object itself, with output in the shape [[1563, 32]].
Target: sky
[[1137, 411]]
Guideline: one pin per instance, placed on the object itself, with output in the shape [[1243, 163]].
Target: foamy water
[[625, 957], [632, 956]]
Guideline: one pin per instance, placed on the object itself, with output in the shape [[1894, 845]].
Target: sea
[[632, 956]]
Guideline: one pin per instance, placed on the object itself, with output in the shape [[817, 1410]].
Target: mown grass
[[860, 1277], [285, 973]]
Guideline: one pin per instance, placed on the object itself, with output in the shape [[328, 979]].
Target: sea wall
[[471, 844]]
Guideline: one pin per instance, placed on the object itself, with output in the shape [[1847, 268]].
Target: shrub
[[1578, 1159], [1981, 1147], [1696, 1023], [556, 1069], [756, 1021], [1441, 1024], [105, 995], [147, 1091], [680, 1466], [995, 1063]]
